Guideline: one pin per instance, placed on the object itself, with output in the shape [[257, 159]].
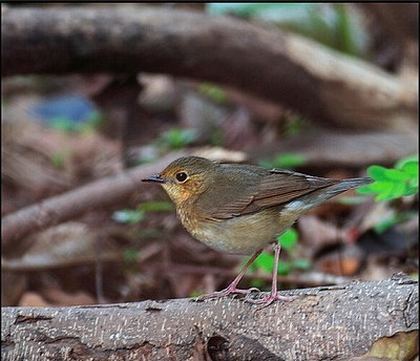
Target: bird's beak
[[154, 178]]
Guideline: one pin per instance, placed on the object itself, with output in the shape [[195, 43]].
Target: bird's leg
[[273, 296], [232, 288]]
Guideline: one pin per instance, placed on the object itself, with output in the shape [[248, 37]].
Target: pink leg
[[273, 296], [232, 288]]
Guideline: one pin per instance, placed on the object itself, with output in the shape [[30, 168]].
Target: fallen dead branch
[[278, 66], [104, 192], [324, 323], [97, 194]]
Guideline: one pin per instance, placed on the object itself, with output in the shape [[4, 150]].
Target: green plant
[[288, 241], [294, 125], [214, 92], [130, 255], [393, 183], [177, 138], [132, 216], [334, 25], [59, 158], [284, 160], [67, 125], [155, 206], [128, 216], [393, 219]]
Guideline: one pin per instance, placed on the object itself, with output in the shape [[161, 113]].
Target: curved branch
[[285, 68], [100, 193], [325, 323], [97, 194]]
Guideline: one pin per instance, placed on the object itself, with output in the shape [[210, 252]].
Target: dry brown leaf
[[58, 297], [403, 346], [32, 299], [317, 233], [345, 262], [12, 287], [68, 244]]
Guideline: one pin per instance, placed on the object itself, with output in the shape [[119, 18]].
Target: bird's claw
[[227, 292], [269, 299]]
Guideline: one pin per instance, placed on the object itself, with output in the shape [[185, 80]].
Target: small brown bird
[[240, 209]]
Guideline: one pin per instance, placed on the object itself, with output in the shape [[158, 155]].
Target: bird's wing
[[273, 189]]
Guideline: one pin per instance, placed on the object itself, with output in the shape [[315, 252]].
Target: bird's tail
[[321, 195], [345, 185]]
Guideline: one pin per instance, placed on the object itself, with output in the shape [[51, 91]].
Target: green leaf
[[128, 216], [285, 160], [411, 190], [387, 194], [366, 189], [412, 158], [393, 183], [381, 186], [58, 159], [288, 239], [302, 263], [399, 189], [284, 268], [411, 168], [377, 172], [258, 283], [396, 175], [214, 92], [130, 255], [393, 219], [265, 262], [62, 123], [385, 224], [289, 160], [155, 206], [176, 138], [295, 125]]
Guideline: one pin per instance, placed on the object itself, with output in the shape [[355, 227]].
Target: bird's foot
[[269, 299], [230, 290]]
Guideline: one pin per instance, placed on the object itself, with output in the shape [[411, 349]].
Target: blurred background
[[60, 132]]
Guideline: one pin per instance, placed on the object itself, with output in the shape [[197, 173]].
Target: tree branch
[[321, 324], [308, 77], [97, 194]]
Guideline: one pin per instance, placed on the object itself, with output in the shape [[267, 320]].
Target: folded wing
[[274, 188]]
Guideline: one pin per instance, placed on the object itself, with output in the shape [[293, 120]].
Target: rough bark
[[312, 79], [327, 323]]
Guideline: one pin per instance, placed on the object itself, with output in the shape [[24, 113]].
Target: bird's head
[[185, 178]]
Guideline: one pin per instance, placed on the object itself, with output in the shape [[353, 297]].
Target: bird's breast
[[238, 235]]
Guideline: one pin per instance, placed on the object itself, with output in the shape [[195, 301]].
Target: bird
[[241, 208]]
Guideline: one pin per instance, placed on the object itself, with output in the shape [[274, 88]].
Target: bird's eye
[[181, 177]]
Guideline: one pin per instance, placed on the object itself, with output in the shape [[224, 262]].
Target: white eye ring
[[181, 177]]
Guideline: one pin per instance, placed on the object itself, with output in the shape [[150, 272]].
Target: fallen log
[[375, 319], [316, 81]]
